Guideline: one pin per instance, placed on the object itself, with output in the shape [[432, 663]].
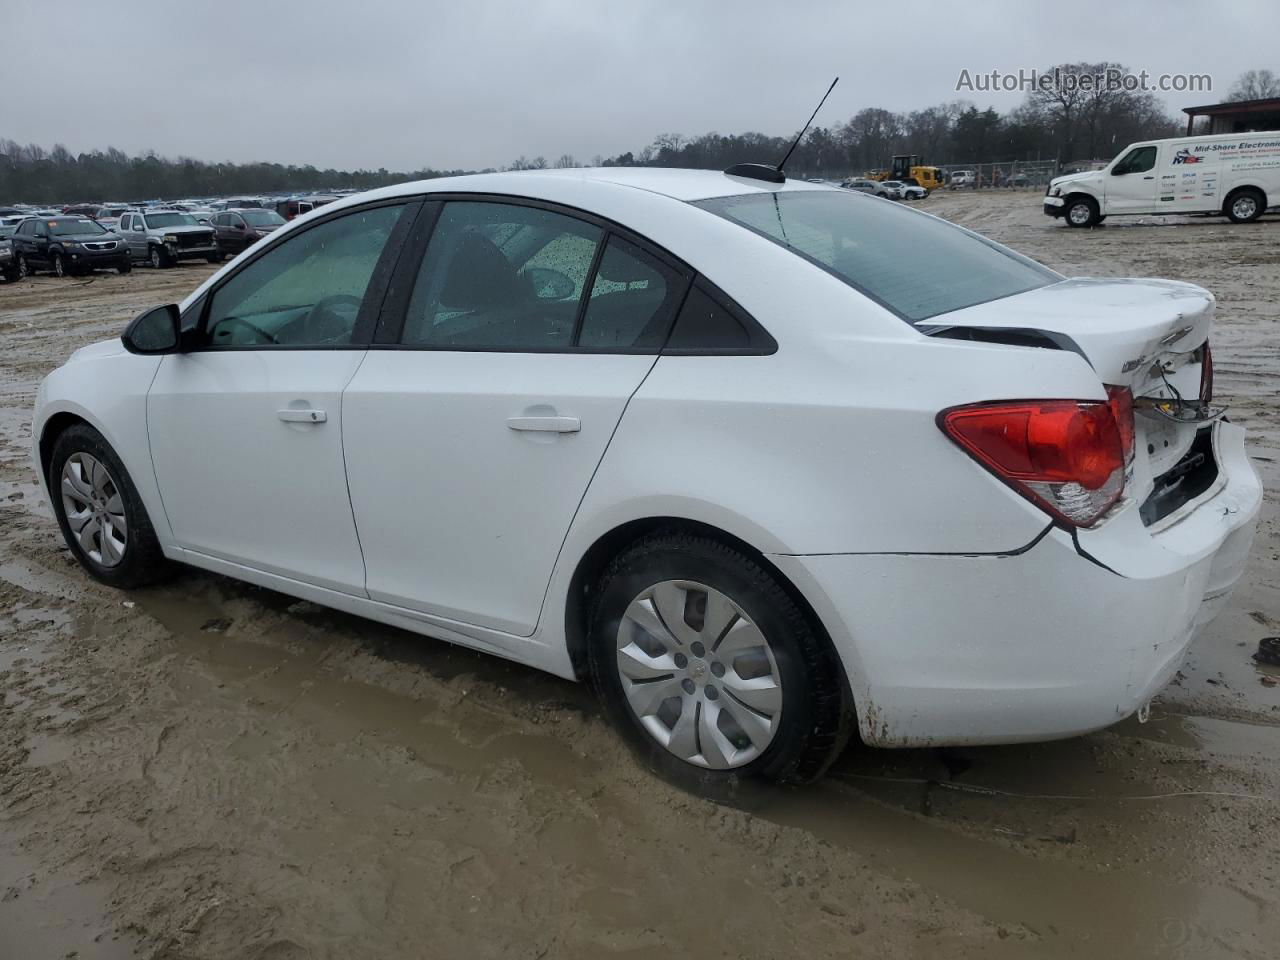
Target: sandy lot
[[211, 770]]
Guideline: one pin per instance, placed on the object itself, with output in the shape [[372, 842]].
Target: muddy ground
[[211, 770]]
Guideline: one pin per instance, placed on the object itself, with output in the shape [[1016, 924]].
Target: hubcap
[[1080, 213], [94, 509], [23, 270], [155, 257], [1244, 207], [59, 268], [699, 675]]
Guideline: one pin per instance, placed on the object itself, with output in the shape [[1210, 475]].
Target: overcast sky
[[405, 84]]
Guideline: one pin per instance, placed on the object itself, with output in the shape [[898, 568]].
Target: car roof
[[678, 184]]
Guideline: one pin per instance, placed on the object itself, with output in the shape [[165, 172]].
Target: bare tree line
[[1064, 124]]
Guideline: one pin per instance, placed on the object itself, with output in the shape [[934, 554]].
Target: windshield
[[262, 218], [916, 265], [71, 228], [155, 220]]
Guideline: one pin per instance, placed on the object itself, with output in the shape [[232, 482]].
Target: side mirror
[[155, 331]]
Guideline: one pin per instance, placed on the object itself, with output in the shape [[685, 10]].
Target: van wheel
[[1245, 205], [1082, 212], [710, 669]]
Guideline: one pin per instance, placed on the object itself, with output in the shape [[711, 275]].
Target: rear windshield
[[916, 265], [262, 218]]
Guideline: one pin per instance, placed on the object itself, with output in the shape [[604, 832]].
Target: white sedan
[[714, 442]]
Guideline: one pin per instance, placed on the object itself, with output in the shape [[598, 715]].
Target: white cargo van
[[1235, 174]]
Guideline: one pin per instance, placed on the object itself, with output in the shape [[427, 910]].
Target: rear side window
[[708, 323], [915, 265]]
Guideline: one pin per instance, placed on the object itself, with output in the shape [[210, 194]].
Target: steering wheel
[[252, 327], [325, 325]]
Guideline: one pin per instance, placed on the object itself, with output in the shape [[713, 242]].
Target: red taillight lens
[[1206, 373], [1066, 456], [1120, 400]]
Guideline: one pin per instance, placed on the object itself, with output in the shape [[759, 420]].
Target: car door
[[133, 236], [500, 371], [1131, 183], [24, 240], [245, 425]]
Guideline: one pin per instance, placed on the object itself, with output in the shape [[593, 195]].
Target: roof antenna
[[762, 171]]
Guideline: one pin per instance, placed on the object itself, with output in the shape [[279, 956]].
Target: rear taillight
[[1066, 456], [1206, 373], [1120, 400]]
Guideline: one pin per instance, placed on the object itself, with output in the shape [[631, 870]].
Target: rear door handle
[[545, 424], [305, 415]]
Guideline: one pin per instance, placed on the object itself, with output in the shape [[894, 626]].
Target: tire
[[1081, 212], [159, 257], [140, 561], [803, 718], [126, 266], [24, 268], [217, 258], [1245, 205], [11, 274], [59, 265]]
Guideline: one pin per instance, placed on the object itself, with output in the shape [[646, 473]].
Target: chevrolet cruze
[[713, 442]]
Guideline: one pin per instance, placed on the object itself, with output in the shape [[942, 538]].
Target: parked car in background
[[1018, 180], [237, 203], [66, 246], [81, 210], [8, 262], [296, 206], [237, 230], [874, 187], [109, 216], [906, 191], [164, 237], [961, 178]]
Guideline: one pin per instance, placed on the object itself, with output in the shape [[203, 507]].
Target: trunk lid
[[1147, 335]]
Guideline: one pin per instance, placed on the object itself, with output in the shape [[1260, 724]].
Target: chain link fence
[[1014, 175]]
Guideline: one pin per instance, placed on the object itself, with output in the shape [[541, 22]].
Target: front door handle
[[305, 415], [545, 424]]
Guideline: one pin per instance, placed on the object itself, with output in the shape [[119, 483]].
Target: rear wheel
[[160, 257], [1082, 212], [24, 268], [100, 513], [710, 669], [1245, 205], [217, 257]]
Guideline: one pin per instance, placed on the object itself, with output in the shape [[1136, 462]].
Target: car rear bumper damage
[[1069, 635]]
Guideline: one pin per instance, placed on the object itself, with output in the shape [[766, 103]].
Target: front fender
[[108, 392]]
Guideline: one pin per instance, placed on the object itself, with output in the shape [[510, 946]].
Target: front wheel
[[217, 257], [125, 266], [1245, 206], [24, 268], [59, 265], [100, 513], [160, 257], [710, 669], [1082, 212]]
